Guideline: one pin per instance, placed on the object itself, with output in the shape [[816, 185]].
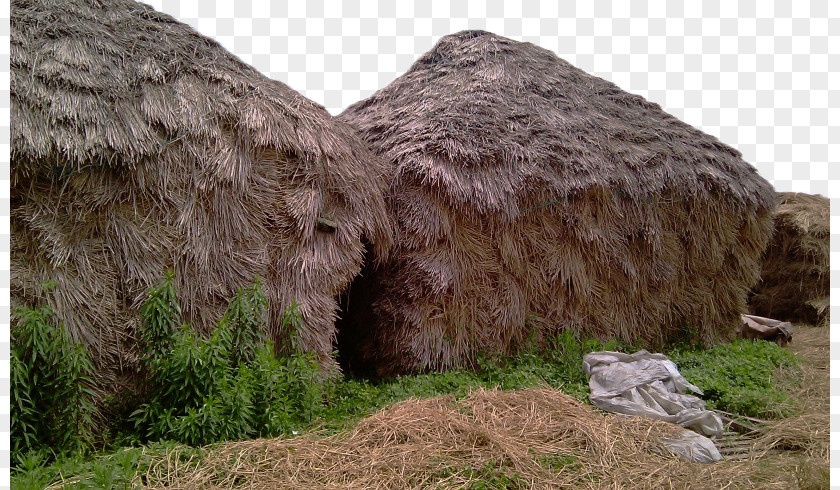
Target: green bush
[[228, 386], [50, 395]]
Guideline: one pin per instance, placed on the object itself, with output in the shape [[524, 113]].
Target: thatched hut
[[530, 196], [139, 145], [795, 271]]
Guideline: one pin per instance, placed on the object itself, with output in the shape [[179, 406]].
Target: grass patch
[[741, 377], [557, 462], [123, 468], [559, 365]]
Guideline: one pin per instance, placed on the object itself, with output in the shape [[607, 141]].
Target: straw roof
[[529, 196], [795, 271], [138, 144]]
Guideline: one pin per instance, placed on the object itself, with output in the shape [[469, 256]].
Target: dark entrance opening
[[355, 338]]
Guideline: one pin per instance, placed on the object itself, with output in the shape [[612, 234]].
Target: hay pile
[[139, 145], [547, 438], [530, 196], [795, 277], [809, 429]]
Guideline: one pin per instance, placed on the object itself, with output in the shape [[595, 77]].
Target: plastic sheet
[[693, 447], [649, 385]]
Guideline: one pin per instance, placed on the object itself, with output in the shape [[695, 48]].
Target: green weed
[[50, 394], [739, 377], [232, 384], [229, 386]]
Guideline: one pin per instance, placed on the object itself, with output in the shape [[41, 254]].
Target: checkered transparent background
[[764, 77]]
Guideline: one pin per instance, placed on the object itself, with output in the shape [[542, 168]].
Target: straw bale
[[138, 145], [795, 271], [529, 196]]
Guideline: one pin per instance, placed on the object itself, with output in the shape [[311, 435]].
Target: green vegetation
[[739, 377], [229, 386], [123, 468], [50, 398], [557, 462], [490, 476], [234, 384]]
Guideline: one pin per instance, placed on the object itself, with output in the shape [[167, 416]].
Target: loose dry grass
[[808, 430], [545, 437], [440, 442], [795, 270]]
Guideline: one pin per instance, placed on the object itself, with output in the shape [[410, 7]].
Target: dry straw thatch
[[538, 438], [139, 145], [795, 272], [529, 195]]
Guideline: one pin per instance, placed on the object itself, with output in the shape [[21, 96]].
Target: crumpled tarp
[[693, 447], [758, 327], [649, 385]]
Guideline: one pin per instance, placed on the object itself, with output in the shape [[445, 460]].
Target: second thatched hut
[[529, 196]]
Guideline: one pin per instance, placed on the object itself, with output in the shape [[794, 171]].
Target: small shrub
[[51, 406], [228, 386], [246, 320], [160, 315]]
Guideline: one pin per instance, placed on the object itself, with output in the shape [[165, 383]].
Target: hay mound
[[537, 438], [530, 196], [795, 273], [139, 145]]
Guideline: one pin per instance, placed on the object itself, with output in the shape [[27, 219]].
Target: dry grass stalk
[[808, 430], [137, 145], [530, 195], [795, 275], [443, 443]]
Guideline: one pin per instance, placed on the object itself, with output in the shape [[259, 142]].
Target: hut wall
[[462, 282]]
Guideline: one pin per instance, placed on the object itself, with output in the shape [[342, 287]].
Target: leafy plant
[[230, 385], [161, 319], [246, 320], [50, 394], [489, 476], [738, 377]]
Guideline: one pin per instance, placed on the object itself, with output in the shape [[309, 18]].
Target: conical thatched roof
[[796, 268], [139, 145], [529, 194]]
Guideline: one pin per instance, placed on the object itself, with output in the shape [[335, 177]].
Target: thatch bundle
[[139, 145], [530, 196], [795, 273]]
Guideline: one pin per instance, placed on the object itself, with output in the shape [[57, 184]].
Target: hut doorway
[[355, 319]]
